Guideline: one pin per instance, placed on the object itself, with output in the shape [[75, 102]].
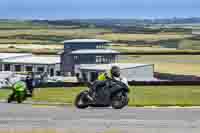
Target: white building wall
[[142, 73], [47, 68]]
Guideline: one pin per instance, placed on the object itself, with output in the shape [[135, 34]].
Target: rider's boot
[[89, 98]]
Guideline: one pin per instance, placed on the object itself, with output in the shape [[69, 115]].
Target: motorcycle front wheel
[[119, 100], [10, 98], [81, 100]]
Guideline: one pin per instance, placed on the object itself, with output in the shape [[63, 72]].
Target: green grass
[[165, 96], [4, 93], [141, 37], [27, 33], [139, 95], [64, 95], [189, 44]]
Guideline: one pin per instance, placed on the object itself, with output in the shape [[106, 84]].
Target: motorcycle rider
[[19, 86], [101, 80], [29, 84]]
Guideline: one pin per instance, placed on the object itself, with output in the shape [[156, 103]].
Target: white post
[[89, 76], [12, 68], [3, 67]]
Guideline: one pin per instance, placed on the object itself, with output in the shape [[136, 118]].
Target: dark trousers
[[97, 85], [30, 89]]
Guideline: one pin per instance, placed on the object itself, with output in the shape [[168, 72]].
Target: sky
[[85, 9]]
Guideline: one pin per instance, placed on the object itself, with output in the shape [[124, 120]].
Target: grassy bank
[[139, 95], [174, 64], [4, 93], [165, 96]]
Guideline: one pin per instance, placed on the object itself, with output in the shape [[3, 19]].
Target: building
[[30, 63], [87, 58], [4, 56], [83, 58], [85, 51]]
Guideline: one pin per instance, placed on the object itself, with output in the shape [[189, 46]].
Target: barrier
[[176, 77], [165, 83], [132, 83], [60, 84]]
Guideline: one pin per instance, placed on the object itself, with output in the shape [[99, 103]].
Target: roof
[[60, 52], [103, 67], [86, 41], [11, 55], [34, 60], [95, 51]]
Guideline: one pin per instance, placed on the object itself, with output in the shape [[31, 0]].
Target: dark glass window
[[18, 68], [75, 57], [58, 73], [40, 69], [29, 68], [7, 67], [98, 59], [0, 67]]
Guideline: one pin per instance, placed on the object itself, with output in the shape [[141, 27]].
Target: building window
[[18, 68], [101, 59], [7, 67], [40, 69], [58, 73], [75, 57], [29, 68], [98, 59], [51, 72], [106, 60], [100, 46], [69, 73]]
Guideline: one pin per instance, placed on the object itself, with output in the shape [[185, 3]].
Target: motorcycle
[[114, 94], [18, 96]]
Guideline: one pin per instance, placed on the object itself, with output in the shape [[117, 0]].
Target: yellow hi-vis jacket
[[102, 76]]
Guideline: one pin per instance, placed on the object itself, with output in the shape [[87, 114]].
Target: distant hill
[[112, 22], [118, 22]]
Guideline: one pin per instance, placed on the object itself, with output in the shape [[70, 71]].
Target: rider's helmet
[[115, 71]]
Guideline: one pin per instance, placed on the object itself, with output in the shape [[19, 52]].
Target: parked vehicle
[[114, 94]]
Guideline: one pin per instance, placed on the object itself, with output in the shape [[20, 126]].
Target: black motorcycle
[[114, 94]]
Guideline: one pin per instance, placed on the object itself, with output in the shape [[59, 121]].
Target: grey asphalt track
[[141, 120]]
